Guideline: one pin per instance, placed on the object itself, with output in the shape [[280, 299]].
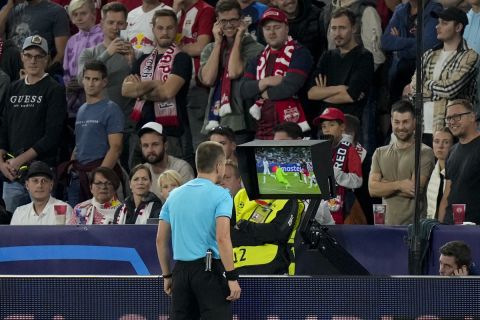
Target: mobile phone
[[123, 35]]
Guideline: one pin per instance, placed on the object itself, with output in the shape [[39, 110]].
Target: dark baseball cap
[[451, 14], [39, 168]]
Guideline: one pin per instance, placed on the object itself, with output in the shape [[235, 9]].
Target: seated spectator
[[168, 181], [142, 204], [226, 137], [265, 229], [347, 166], [44, 209], [154, 143], [442, 143], [231, 179], [82, 13], [455, 259], [98, 133], [100, 209], [222, 65], [276, 76]]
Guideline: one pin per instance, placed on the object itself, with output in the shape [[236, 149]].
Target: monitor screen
[[285, 170], [288, 169]]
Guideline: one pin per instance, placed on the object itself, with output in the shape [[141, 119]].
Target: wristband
[[166, 276], [231, 275]]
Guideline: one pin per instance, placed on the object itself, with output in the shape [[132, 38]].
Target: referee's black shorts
[[199, 293]]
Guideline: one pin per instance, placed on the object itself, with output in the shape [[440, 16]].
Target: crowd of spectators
[[104, 112]]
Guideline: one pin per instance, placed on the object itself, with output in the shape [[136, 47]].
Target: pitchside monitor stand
[[299, 169]]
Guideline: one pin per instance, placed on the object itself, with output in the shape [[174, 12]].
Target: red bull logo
[[140, 41]]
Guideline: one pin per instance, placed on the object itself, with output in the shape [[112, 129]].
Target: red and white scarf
[[166, 111], [220, 104], [288, 110]]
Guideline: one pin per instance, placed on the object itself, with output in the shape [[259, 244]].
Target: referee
[[196, 216]]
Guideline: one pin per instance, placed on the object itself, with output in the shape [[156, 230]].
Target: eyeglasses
[[456, 117], [31, 57], [232, 22], [105, 184]]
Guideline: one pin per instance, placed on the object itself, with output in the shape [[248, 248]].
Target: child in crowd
[[347, 165], [168, 181]]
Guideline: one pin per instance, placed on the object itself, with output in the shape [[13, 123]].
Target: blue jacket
[[404, 46]]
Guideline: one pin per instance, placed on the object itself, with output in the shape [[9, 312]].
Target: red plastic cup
[[379, 211], [458, 210], [60, 209]]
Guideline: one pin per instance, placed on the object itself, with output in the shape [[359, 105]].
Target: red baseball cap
[[274, 14], [330, 114]]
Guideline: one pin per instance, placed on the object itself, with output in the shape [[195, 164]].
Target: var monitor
[[299, 169]]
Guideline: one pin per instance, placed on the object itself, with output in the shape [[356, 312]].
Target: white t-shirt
[[139, 28], [26, 215], [428, 106]]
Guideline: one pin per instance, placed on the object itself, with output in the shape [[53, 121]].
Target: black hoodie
[[308, 28]]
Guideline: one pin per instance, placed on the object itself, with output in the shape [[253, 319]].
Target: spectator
[[352, 132], [196, 19], [231, 179], [32, 122], [399, 38], [44, 209], [142, 204], [37, 17], [462, 169], [98, 133], [305, 24], [161, 94], [222, 66], [442, 143], [455, 259], [153, 143], [139, 25], [276, 76], [368, 28], [344, 75], [449, 70], [471, 36], [5, 216], [118, 56], [347, 165], [100, 209], [82, 13], [167, 181], [252, 11], [226, 137], [287, 131], [392, 173]]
